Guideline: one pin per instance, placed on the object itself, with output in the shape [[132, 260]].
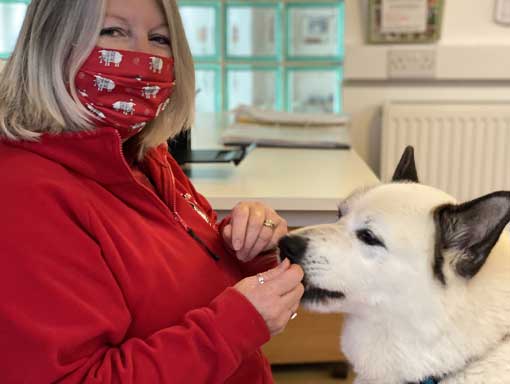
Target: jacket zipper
[[194, 205], [173, 209]]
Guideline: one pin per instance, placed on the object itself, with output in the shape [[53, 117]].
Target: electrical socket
[[412, 63]]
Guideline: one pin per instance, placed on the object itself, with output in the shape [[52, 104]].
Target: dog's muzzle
[[293, 247]]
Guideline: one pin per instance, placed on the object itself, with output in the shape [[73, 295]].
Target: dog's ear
[[406, 168], [473, 228]]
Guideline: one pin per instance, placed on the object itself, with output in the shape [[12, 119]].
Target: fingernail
[[237, 245]]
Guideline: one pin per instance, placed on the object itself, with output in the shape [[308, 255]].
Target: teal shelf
[[255, 85], [281, 54], [12, 14], [208, 84], [202, 23], [315, 31], [241, 19], [314, 89]]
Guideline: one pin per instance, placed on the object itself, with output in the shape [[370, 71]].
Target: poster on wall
[[404, 21]]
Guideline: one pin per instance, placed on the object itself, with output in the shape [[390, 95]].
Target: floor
[[309, 374]]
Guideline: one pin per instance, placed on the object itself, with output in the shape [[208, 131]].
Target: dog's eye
[[367, 237]]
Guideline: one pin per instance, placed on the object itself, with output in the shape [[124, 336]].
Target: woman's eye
[[160, 39], [367, 236], [112, 32]]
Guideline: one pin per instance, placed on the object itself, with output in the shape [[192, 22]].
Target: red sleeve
[[63, 317]]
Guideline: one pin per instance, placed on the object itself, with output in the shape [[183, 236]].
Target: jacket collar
[[95, 154]]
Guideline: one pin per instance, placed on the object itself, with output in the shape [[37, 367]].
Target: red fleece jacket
[[100, 280]]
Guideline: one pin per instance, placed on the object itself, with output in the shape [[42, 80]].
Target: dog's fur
[[424, 282]]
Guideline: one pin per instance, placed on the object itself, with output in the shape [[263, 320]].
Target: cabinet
[[309, 338]]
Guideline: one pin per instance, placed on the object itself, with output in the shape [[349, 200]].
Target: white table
[[303, 185]]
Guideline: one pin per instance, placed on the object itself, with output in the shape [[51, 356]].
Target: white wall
[[473, 62]]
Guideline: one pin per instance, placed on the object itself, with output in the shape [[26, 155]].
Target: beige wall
[[473, 63]]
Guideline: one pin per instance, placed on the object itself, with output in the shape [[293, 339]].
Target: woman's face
[[135, 25]]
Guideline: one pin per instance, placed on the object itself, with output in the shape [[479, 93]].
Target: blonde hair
[[55, 40]]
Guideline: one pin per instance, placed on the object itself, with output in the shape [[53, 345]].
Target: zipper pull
[[197, 209], [195, 236]]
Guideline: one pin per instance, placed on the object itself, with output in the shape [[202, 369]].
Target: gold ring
[[261, 279], [269, 223]]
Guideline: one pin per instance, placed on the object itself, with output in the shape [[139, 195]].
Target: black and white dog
[[424, 282]]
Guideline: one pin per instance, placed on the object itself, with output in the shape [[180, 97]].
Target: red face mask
[[125, 89]]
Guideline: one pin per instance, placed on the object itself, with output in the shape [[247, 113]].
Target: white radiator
[[462, 148]]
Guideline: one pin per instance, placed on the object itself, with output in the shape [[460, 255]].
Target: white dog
[[424, 282]]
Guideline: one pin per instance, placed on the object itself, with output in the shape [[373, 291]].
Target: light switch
[[502, 12]]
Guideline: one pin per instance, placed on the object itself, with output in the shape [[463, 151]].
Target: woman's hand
[[254, 228], [277, 297]]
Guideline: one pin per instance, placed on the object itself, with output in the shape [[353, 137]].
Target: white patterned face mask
[[125, 89]]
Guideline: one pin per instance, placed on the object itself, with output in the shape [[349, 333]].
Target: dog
[[423, 281]]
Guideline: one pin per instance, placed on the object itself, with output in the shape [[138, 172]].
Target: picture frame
[[432, 26]]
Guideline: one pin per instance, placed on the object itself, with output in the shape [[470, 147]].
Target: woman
[[113, 268]]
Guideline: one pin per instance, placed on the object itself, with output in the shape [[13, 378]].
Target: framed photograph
[[258, 86], [314, 89], [208, 84], [315, 31], [12, 14], [253, 31], [201, 22], [404, 21]]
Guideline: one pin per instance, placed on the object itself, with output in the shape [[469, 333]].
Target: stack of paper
[[284, 129]]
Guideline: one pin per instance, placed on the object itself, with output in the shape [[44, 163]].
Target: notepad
[[287, 136], [246, 114], [287, 129]]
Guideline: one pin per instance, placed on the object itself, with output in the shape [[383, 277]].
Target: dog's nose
[[293, 248]]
